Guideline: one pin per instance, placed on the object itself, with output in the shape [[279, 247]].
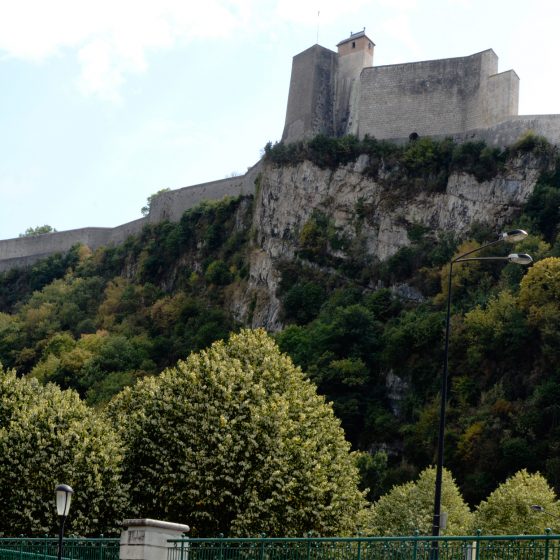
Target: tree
[[409, 507], [38, 230], [539, 296], [507, 511], [373, 472], [540, 287], [236, 440], [146, 209], [48, 436]]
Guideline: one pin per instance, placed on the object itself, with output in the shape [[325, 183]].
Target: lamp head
[[63, 499], [514, 235], [520, 258]]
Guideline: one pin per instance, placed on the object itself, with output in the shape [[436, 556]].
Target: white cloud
[[112, 38]]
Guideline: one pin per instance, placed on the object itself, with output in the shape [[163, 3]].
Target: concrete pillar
[[146, 539]]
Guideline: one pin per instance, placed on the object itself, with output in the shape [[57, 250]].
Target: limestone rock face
[[360, 206]]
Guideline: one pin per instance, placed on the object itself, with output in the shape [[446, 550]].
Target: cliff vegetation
[[341, 255]]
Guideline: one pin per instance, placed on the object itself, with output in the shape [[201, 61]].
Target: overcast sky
[[104, 102]]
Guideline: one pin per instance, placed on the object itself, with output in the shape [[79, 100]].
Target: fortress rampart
[[446, 96], [337, 93], [24, 251]]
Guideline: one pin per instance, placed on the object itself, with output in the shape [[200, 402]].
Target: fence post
[[182, 548], [147, 539], [360, 547], [309, 545], [261, 553], [415, 545], [547, 543], [477, 544]]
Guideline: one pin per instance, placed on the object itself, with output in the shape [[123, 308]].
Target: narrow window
[[353, 44]]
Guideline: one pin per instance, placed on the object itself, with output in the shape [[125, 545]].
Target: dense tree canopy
[[236, 440], [48, 437], [507, 511], [368, 334], [409, 507]]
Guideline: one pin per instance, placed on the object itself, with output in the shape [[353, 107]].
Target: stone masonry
[[337, 93], [464, 97]]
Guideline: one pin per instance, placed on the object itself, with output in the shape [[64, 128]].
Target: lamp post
[[519, 258], [542, 510], [63, 499]]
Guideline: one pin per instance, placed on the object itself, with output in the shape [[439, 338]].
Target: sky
[[104, 102]]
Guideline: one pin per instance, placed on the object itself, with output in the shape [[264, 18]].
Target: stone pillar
[[146, 539]]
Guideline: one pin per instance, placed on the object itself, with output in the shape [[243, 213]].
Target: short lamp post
[[519, 258], [63, 500]]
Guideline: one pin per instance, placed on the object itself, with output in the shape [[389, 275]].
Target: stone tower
[[354, 54], [325, 87], [311, 97]]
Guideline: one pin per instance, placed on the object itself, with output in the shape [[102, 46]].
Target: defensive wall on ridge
[[445, 96], [338, 93], [24, 251]]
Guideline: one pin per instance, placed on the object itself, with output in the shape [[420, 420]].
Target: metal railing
[[518, 547], [46, 548]]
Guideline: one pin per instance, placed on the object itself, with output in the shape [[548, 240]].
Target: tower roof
[[354, 36]]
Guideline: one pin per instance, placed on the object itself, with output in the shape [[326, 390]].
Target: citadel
[[338, 93]]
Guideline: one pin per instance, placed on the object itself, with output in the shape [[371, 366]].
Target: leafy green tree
[[234, 439], [373, 472], [507, 511], [303, 302], [38, 230], [497, 336], [539, 296], [146, 209], [218, 273], [410, 506], [48, 436]]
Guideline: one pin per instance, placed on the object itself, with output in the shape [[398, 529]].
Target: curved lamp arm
[[513, 236]]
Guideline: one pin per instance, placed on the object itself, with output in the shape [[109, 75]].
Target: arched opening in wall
[[413, 136]]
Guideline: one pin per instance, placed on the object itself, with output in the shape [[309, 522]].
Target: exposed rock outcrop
[[375, 210]]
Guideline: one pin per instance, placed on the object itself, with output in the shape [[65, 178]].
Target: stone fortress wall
[[24, 251], [311, 98], [463, 97], [337, 93], [453, 95]]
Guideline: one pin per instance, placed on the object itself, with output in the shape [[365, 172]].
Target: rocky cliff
[[372, 213]]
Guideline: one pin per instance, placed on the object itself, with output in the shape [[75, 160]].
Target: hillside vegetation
[[97, 322]]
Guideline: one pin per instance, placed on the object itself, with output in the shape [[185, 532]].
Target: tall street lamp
[[542, 510], [519, 258], [63, 499]]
